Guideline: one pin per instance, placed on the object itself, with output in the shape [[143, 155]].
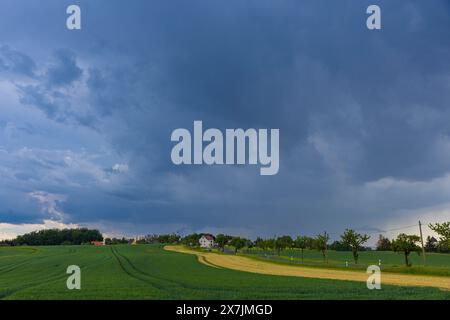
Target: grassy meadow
[[150, 272], [436, 263]]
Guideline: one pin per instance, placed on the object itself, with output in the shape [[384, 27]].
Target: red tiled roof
[[209, 237]]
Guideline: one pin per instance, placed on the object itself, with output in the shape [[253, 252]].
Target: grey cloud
[[37, 96], [353, 108], [16, 62], [64, 70]]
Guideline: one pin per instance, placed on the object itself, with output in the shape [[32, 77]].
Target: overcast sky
[[86, 116]]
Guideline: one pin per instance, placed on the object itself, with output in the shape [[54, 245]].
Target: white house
[[207, 241]]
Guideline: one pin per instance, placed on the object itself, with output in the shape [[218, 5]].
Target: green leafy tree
[[321, 243], [406, 244], [238, 243], [249, 243], [50, 237], [114, 241], [283, 242], [301, 243], [354, 240], [222, 240], [383, 244], [443, 230], [165, 238], [260, 243], [310, 243], [339, 246], [431, 244], [270, 243], [191, 240]]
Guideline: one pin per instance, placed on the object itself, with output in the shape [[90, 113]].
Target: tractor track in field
[[30, 251], [15, 265], [169, 286], [131, 274], [145, 274], [37, 283], [10, 292], [247, 264], [12, 266]]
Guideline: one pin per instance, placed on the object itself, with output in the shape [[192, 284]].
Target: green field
[[436, 263], [149, 272], [387, 258]]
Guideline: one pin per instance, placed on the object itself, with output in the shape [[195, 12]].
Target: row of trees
[[160, 238], [350, 241], [113, 241], [431, 245], [410, 243], [51, 237]]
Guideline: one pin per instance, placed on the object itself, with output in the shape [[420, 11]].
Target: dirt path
[[251, 265]]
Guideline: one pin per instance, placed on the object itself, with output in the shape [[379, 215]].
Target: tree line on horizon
[[53, 237]]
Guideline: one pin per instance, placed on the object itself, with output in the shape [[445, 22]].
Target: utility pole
[[421, 239], [326, 247]]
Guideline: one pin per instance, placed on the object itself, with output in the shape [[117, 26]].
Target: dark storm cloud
[[65, 70], [360, 112], [15, 62]]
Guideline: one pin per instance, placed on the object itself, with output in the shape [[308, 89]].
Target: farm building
[[207, 241], [98, 243]]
